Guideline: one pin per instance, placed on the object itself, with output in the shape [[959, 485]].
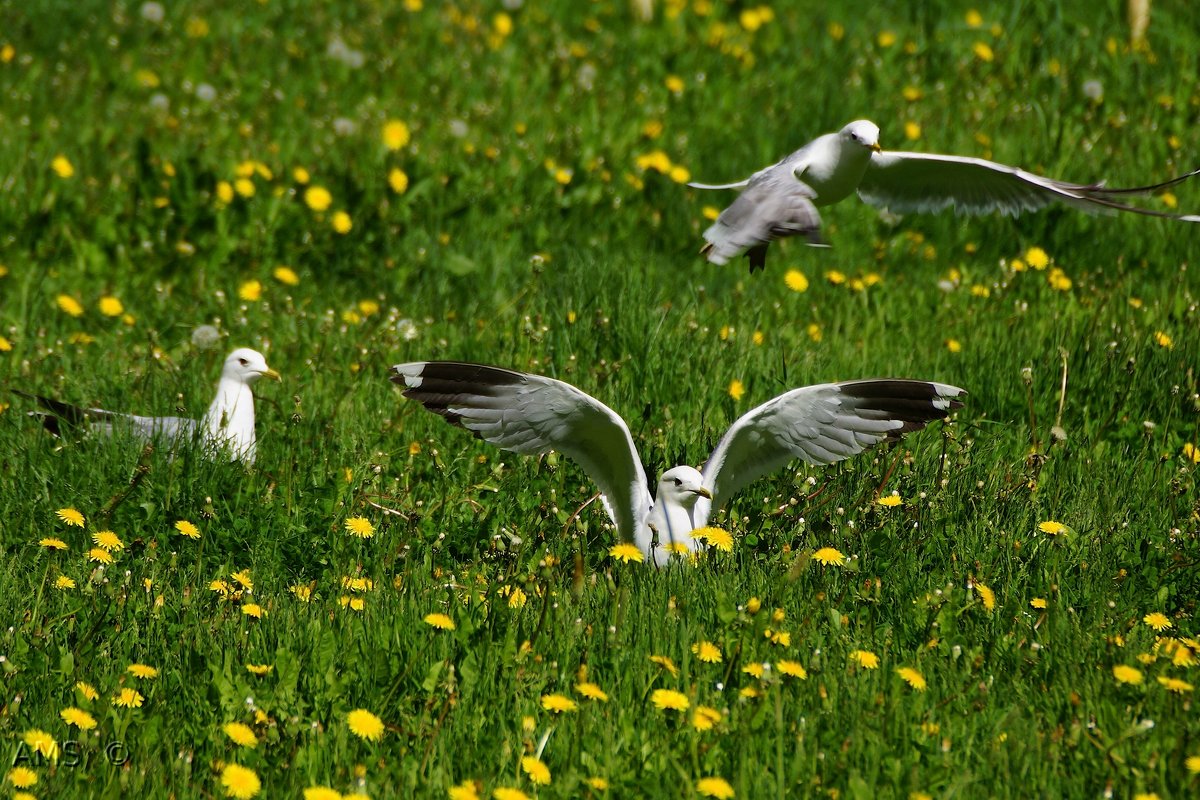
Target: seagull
[[782, 200], [533, 414], [227, 428]]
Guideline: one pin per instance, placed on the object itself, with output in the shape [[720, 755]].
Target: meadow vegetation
[[1002, 605]]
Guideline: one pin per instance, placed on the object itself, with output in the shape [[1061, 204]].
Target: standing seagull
[[532, 414], [781, 200], [226, 429]]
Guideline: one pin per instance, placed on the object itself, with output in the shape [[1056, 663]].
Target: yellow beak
[[703, 492], [877, 148], [273, 375]]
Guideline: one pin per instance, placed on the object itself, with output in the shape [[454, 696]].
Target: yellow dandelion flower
[[1191, 452], [52, 543], [70, 516], [664, 699], [253, 610], [22, 777], [828, 556], [241, 734], [144, 671], [360, 527], [286, 275], [558, 703], [836, 277], [464, 791], [398, 180], [342, 222], [41, 742], [365, 725], [707, 652], [1175, 684], [715, 537], [1037, 258], [302, 591], [1193, 764], [1038, 603], [1127, 674], [111, 306], [1163, 340], [974, 19], [259, 669], [983, 51], [954, 345], [440, 621], [781, 638], [395, 134], [251, 291], [1158, 621], [865, 659], [187, 529], [793, 669], [537, 771], [704, 718], [244, 187], [508, 793], [890, 501], [674, 84], [225, 192], [62, 166], [318, 198], [714, 787], [986, 595], [5, 345], [796, 280], [1051, 527], [679, 174], [1058, 280], [353, 603], [100, 556], [322, 793], [240, 782], [626, 552], [666, 663], [591, 691], [87, 690], [754, 669], [913, 678], [886, 39], [108, 541], [63, 582], [736, 389]]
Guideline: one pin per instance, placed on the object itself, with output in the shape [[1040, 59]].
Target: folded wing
[[57, 414], [926, 183], [532, 414], [821, 424]]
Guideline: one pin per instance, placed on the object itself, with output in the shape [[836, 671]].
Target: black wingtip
[[757, 257]]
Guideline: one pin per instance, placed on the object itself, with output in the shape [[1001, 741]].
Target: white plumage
[[781, 200], [227, 428], [532, 414]]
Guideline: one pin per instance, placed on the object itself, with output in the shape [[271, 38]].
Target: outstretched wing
[[927, 182], [774, 205], [98, 420], [531, 414], [821, 424]]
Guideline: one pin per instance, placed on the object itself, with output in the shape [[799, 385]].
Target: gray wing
[[531, 414], [58, 413], [926, 183], [774, 205], [821, 424]]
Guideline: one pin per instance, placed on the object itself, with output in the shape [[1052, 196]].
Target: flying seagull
[[532, 414], [226, 429], [781, 200]]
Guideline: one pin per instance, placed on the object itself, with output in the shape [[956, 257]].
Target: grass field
[[1017, 626]]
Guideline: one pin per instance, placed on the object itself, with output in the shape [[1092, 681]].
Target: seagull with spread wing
[[532, 414], [227, 428], [782, 200]]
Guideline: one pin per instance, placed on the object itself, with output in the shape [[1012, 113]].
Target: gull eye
[[678, 482], [243, 362]]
